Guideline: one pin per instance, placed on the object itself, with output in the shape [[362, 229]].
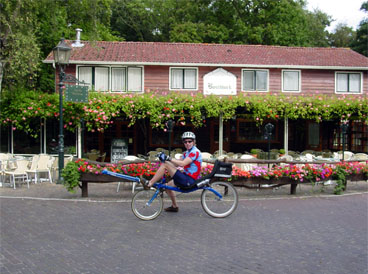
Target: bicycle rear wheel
[[218, 207], [142, 206]]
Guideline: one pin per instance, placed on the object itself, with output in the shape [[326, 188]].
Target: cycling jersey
[[194, 168]]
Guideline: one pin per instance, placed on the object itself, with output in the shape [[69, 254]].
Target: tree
[[30, 29], [360, 44], [270, 22], [342, 36], [317, 21], [20, 51]]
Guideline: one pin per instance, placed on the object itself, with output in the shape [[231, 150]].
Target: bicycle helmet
[[188, 135]]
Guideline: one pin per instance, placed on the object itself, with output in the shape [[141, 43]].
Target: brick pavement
[[317, 233]]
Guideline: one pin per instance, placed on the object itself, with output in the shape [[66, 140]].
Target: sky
[[343, 11]]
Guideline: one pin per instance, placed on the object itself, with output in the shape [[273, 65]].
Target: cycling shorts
[[183, 180]]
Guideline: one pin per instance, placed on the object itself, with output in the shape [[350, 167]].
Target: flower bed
[[308, 173]]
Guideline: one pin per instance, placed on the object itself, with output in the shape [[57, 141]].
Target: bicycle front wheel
[[219, 207], [144, 207]]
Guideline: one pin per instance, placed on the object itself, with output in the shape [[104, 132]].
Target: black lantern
[[62, 53], [61, 57]]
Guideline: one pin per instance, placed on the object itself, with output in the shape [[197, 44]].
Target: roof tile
[[189, 53]]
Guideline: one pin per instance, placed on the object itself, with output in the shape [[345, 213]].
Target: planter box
[[356, 177], [98, 178], [87, 177], [261, 183]]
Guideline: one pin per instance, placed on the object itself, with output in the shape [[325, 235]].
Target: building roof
[[161, 53]]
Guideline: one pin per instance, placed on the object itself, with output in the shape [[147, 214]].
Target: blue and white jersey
[[194, 168]]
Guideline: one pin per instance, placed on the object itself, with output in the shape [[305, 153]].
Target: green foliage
[[23, 106], [317, 21], [20, 52], [340, 176], [282, 22], [30, 29], [71, 176], [342, 36], [361, 41]]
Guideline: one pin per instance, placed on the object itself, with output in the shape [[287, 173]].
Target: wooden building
[[136, 67]]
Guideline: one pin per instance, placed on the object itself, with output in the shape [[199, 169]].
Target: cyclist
[[191, 163]]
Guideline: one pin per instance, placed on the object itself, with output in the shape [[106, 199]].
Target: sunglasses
[[187, 142]]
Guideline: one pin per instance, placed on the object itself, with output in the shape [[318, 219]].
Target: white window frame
[[93, 75], [349, 72], [110, 77], [125, 80], [267, 84], [299, 84], [190, 89]]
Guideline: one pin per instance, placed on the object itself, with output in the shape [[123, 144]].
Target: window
[[120, 79], [255, 80], [85, 74], [348, 82], [101, 82], [97, 77], [291, 81], [134, 79], [183, 78], [248, 131]]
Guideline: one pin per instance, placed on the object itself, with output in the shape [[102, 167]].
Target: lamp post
[[170, 126], [269, 127], [344, 129], [61, 57]]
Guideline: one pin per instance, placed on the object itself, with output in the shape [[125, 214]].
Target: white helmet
[[188, 135]]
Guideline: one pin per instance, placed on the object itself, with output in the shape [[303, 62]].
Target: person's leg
[[170, 167], [171, 194]]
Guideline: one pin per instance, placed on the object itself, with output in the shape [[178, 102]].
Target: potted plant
[[254, 152]]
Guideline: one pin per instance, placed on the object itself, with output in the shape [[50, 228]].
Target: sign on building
[[119, 149], [75, 93], [219, 82]]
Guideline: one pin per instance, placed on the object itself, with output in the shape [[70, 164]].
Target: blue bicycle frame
[[161, 186]]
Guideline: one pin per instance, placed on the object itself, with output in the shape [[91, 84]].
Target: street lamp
[[268, 133], [170, 126], [344, 129], [61, 57]]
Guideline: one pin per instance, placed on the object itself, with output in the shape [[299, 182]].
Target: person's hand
[[163, 157]]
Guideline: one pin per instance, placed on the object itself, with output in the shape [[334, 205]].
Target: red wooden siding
[[312, 80]]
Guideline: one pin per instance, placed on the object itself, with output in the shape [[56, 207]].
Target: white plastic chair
[[348, 155], [285, 158], [247, 166], [19, 172], [178, 156], [44, 165], [32, 168], [55, 166], [360, 156]]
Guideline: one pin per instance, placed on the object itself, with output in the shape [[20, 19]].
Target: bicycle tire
[[220, 208], [143, 211]]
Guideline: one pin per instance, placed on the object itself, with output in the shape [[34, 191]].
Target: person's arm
[[181, 163]]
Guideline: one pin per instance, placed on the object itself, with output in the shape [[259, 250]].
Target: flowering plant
[[19, 108], [311, 173]]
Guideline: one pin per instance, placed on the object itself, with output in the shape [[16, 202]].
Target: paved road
[[285, 235]]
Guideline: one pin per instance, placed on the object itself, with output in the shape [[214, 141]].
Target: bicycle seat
[[220, 169]]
